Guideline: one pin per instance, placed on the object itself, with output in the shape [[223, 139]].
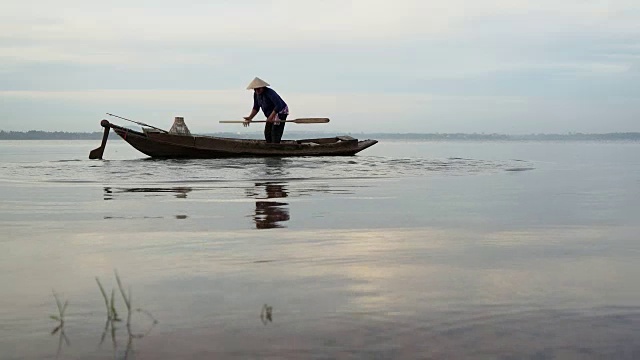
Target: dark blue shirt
[[269, 100]]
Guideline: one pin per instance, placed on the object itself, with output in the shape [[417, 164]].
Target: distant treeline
[[625, 136], [47, 135]]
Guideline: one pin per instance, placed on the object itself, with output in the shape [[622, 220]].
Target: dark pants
[[273, 133]]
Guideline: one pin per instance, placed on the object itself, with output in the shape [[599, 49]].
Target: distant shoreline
[[620, 136]]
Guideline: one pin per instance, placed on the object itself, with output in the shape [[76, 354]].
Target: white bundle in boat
[[179, 127]]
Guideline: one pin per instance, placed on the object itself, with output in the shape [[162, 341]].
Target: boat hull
[[164, 145]]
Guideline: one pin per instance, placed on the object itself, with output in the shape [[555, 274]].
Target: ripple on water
[[480, 333], [250, 169]]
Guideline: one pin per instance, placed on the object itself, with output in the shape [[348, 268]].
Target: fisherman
[[273, 107]]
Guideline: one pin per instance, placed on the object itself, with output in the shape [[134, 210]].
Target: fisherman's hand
[[247, 121]]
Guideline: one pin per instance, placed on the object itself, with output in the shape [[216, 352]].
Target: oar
[[139, 123], [296, 121], [97, 153]]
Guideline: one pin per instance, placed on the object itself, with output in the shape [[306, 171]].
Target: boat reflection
[[180, 192], [270, 214]]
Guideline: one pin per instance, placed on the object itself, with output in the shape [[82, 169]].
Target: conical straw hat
[[257, 83]]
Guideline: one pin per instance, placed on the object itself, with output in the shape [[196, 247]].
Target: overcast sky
[[505, 66]]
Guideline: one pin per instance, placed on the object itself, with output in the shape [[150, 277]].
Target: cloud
[[13, 56], [465, 65], [287, 22], [134, 33]]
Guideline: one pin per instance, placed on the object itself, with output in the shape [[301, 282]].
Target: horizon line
[[360, 132]]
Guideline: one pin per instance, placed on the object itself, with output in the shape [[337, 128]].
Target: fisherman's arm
[[254, 111]]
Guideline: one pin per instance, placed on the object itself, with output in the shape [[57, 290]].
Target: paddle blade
[[310, 121], [96, 153]]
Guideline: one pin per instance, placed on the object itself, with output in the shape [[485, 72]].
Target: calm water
[[434, 250]]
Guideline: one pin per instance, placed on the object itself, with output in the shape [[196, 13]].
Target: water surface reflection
[[179, 191], [217, 203], [271, 214]]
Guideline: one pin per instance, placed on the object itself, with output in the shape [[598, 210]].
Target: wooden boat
[[161, 144]]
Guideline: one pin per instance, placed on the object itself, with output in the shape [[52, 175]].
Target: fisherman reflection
[[270, 214]]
